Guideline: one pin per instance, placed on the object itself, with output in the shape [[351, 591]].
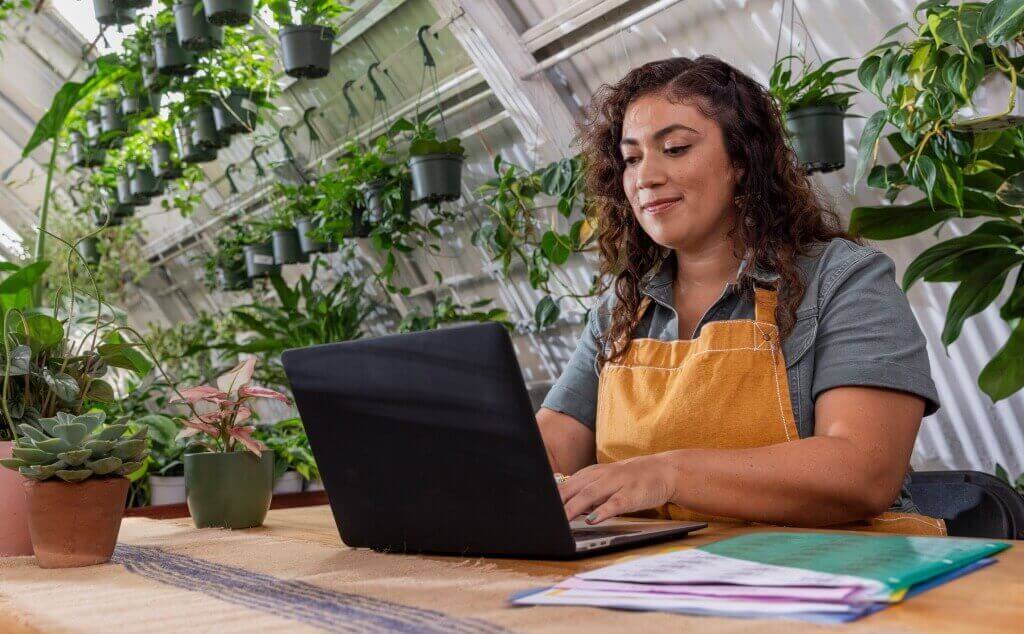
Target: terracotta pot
[[14, 536], [75, 524]]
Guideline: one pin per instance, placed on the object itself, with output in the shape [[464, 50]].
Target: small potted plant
[[813, 105], [108, 14], [306, 44], [166, 468], [243, 80], [228, 474], [259, 252], [189, 152], [225, 269], [228, 12], [78, 465], [168, 54], [434, 165], [144, 185], [195, 32], [165, 165], [289, 202]]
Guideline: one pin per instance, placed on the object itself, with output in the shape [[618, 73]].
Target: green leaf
[[1002, 21], [44, 332], [868, 149], [1011, 192], [888, 222], [20, 361], [124, 355], [100, 390], [64, 386], [16, 289], [991, 235], [546, 313], [1013, 308], [1003, 375], [924, 173], [977, 291]]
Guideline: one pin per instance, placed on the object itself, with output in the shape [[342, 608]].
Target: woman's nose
[[649, 174]]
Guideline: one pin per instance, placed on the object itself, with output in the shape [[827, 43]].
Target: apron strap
[[765, 302]]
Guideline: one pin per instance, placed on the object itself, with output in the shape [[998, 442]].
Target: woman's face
[[678, 177]]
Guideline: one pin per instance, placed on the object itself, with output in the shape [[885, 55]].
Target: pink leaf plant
[[220, 412]]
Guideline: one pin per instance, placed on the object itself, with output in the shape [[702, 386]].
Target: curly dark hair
[[780, 215]]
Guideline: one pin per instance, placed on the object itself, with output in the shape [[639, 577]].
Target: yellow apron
[[726, 389]]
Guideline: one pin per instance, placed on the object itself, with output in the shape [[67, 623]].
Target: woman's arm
[[852, 468], [569, 443]]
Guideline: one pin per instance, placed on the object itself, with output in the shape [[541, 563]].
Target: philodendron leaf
[[977, 291], [100, 390], [869, 144], [1001, 21], [1011, 192], [888, 222], [1003, 375]]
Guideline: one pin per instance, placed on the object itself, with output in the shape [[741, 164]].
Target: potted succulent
[[108, 14], [435, 166], [306, 44], [78, 465], [166, 466], [228, 474], [195, 32], [813, 106], [228, 12]]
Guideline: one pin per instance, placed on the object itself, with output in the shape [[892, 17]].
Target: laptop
[[427, 443]]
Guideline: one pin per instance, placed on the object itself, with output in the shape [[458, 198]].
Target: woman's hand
[[606, 490]]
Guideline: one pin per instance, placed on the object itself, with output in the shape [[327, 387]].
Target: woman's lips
[[660, 206]]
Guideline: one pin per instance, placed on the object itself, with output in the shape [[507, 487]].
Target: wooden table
[[990, 600]]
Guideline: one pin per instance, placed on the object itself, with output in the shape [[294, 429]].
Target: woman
[[752, 361]]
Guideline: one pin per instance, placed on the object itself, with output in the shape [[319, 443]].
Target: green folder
[[895, 561]]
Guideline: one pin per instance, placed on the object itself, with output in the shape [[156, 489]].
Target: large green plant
[[520, 227], [961, 173], [288, 440]]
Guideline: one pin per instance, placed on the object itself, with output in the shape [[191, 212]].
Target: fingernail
[[592, 518]]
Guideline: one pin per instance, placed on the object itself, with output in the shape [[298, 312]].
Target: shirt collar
[[658, 282]]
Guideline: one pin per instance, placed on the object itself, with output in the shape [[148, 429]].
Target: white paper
[[693, 566], [644, 601], [724, 591]]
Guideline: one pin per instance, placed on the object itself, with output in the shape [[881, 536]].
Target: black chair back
[[973, 504]]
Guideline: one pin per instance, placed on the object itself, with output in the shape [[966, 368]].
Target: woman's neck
[[714, 265]]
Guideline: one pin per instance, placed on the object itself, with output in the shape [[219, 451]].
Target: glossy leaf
[[546, 313], [1003, 375], [978, 290], [869, 143], [888, 222], [1002, 21], [1011, 192]]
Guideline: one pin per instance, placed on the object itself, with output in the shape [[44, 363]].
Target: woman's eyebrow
[[660, 134]]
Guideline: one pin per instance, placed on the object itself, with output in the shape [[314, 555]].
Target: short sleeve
[[575, 392], [868, 335]]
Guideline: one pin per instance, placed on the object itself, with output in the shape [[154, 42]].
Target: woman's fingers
[[617, 504], [589, 497], [571, 485]]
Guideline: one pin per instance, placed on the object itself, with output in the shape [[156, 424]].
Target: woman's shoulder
[[843, 265]]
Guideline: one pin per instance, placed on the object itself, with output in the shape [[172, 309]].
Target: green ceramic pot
[[229, 490]]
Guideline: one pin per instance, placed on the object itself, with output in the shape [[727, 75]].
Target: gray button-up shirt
[[854, 326]]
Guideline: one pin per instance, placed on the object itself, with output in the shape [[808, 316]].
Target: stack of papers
[[818, 577]]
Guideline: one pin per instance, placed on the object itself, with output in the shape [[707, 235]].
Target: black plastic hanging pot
[[233, 279], [116, 208], [259, 260], [373, 195], [132, 4], [108, 14], [816, 134], [195, 33], [306, 242], [155, 99], [163, 164], [360, 227], [193, 154], [143, 183], [436, 177], [93, 129], [203, 129], [236, 113], [107, 220], [287, 249], [151, 79], [228, 12], [79, 150], [111, 121], [171, 58], [88, 249], [306, 50]]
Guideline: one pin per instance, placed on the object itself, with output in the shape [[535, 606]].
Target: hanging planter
[[304, 227], [124, 190], [88, 248], [306, 50], [79, 151], [93, 129], [228, 12], [171, 58], [229, 490], [151, 79], [130, 105], [816, 134], [195, 33], [374, 195], [110, 117], [236, 113], [203, 128], [107, 220], [143, 183], [287, 249], [259, 259], [436, 177], [229, 279], [108, 14], [193, 154], [360, 226], [155, 98], [131, 4], [163, 164]]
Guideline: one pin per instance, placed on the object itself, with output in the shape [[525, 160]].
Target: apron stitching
[[778, 393]]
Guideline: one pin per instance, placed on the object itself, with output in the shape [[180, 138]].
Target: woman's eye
[[679, 149], [631, 160]]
